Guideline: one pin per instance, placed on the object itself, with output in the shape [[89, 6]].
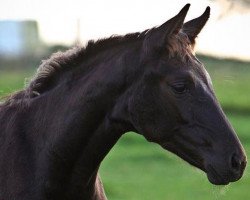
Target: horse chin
[[217, 180]]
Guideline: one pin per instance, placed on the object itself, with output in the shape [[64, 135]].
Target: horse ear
[[193, 27], [156, 38]]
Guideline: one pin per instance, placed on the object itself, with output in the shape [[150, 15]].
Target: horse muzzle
[[226, 172]]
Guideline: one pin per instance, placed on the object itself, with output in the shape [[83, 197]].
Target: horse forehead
[[188, 63], [191, 67]]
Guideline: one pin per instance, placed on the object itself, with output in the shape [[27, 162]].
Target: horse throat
[[84, 178], [79, 151]]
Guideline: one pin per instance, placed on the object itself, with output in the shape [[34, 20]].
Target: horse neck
[[84, 173], [94, 117]]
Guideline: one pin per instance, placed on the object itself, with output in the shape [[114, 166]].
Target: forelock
[[180, 46]]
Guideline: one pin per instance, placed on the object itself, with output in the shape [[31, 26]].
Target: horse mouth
[[214, 177]]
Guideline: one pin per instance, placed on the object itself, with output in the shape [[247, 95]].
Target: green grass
[[13, 80], [138, 170]]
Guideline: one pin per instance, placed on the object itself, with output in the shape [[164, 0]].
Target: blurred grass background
[[138, 170]]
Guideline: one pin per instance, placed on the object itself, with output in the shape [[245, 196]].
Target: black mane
[[63, 61]]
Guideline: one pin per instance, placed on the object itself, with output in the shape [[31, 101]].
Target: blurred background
[[30, 30]]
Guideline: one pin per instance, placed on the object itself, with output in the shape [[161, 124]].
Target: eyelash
[[179, 88]]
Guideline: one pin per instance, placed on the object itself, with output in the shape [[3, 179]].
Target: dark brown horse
[[55, 133]]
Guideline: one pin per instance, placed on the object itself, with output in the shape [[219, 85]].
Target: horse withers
[[56, 132]]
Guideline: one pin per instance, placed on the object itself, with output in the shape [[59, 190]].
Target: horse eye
[[180, 88]]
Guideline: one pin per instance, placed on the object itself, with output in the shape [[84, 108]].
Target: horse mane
[[62, 61]]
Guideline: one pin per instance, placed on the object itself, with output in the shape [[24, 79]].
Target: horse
[[55, 132]]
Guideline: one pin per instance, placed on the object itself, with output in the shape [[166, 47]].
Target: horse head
[[174, 103]]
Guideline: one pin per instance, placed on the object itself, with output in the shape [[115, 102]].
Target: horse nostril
[[235, 163]]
